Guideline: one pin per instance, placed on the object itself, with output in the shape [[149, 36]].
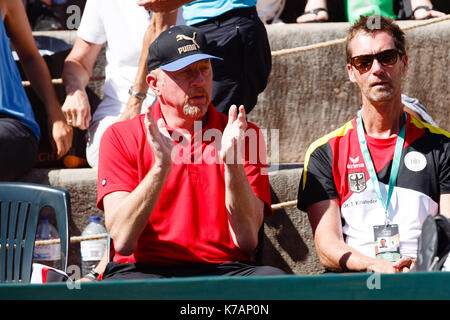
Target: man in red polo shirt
[[183, 187]]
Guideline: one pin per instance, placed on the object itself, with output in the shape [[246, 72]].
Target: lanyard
[[371, 168]]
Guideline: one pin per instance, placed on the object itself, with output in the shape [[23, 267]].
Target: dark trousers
[[117, 271], [240, 38], [18, 148]]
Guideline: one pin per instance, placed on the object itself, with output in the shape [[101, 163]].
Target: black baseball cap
[[178, 47]]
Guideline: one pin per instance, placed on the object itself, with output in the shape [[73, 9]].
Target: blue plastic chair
[[20, 206]]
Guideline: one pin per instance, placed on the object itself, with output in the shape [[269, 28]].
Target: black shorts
[[18, 148], [240, 38]]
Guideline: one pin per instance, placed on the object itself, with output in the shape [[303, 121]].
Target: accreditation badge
[[387, 242]]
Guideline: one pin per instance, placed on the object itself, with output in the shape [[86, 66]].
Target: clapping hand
[[159, 139], [233, 136]]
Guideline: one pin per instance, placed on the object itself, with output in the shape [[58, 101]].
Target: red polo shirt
[[190, 222]]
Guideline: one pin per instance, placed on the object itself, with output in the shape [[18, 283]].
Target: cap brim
[[185, 61]]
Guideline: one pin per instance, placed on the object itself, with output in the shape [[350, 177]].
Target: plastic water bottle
[[48, 255], [92, 250]]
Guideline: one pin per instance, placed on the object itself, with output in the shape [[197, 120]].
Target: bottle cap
[[94, 219]]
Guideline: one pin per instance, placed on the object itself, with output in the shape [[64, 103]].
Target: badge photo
[[387, 242]]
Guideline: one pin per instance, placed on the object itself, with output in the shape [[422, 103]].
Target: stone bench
[[288, 241]]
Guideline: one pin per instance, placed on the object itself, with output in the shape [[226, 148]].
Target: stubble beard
[[381, 94], [386, 94]]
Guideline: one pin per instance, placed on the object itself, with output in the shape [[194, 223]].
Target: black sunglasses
[[364, 63]]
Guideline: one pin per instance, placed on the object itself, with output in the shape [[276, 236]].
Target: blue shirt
[[13, 99], [202, 10]]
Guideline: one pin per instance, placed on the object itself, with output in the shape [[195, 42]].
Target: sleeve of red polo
[[116, 171], [256, 168]]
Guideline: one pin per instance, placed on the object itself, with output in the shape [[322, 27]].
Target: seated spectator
[[153, 184], [100, 26], [316, 10], [19, 131], [381, 174]]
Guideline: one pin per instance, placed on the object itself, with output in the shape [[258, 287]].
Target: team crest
[[357, 182]]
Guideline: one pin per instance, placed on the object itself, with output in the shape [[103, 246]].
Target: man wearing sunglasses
[[381, 174]]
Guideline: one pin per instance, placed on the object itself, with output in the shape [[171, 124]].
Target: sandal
[[315, 12]]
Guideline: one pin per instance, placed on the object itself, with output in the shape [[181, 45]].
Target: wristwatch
[[138, 95]]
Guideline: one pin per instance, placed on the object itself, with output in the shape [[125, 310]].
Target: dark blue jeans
[[240, 38]]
